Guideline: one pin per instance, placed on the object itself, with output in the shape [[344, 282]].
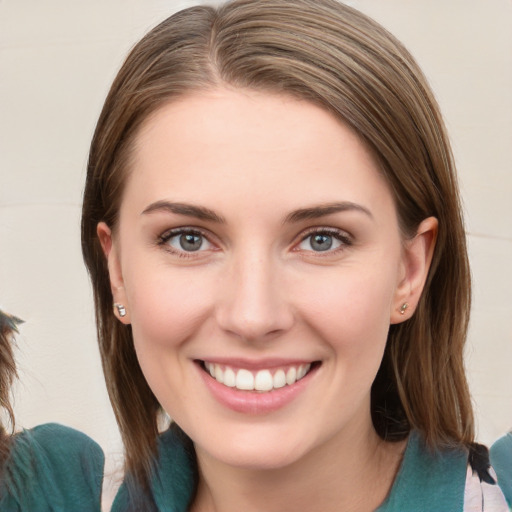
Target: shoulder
[[501, 460], [427, 479], [455, 479], [501, 452], [174, 478], [52, 467]]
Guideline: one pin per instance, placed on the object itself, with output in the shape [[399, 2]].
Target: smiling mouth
[[263, 381]]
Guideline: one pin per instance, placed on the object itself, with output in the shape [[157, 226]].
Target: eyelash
[[341, 236], [163, 241]]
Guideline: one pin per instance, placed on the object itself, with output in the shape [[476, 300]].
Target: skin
[[257, 290]]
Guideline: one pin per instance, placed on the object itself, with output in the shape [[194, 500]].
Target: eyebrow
[[189, 210], [202, 213], [322, 210]]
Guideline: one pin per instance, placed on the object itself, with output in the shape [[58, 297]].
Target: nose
[[253, 304]]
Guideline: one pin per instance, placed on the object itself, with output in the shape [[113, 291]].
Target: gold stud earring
[[120, 309], [403, 307]]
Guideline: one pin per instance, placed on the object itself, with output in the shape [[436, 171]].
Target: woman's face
[[258, 243]]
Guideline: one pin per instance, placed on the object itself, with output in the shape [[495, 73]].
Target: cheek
[[167, 311], [166, 306], [351, 310]]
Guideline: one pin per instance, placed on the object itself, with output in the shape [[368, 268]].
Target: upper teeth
[[262, 380]]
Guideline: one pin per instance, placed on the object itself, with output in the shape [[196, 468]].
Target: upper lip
[[256, 364]]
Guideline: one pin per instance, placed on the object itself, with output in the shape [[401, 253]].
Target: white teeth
[[219, 374], [262, 380], [229, 378], [279, 379], [291, 376], [303, 369], [244, 380]]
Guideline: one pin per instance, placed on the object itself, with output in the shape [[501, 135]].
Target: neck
[[352, 472]]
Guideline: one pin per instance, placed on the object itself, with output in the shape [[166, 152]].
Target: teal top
[[501, 459], [428, 481], [425, 481], [174, 480], [52, 468]]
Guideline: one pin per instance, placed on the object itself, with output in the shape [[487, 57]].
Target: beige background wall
[[57, 59]]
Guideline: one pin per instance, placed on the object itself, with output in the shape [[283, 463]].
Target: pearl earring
[[403, 307]]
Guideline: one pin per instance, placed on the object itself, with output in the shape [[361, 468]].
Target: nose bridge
[[253, 304]]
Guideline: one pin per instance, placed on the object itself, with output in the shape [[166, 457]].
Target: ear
[[111, 250], [416, 259]]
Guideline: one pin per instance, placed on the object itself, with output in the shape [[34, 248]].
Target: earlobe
[[417, 257], [111, 252]]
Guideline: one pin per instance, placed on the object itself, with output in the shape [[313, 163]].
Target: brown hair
[[8, 327], [336, 57]]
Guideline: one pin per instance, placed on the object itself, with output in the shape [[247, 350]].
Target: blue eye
[[322, 241], [186, 241]]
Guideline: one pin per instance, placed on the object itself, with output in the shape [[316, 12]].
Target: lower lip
[[254, 402]]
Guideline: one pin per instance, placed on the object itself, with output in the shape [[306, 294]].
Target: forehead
[[214, 144]]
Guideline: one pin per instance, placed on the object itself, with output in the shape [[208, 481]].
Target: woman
[[271, 207], [50, 468]]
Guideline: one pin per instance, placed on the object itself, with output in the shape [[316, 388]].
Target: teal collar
[[428, 480], [175, 481]]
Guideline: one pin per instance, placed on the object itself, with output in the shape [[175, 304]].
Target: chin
[[256, 452], [260, 460]]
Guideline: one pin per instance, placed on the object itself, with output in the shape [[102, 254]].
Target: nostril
[[265, 327]]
